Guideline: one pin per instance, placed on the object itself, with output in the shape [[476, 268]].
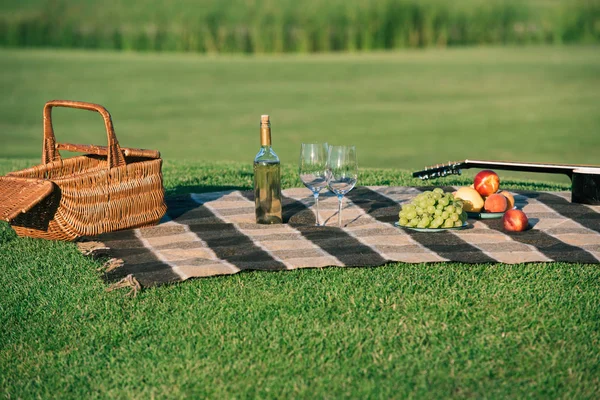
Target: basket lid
[[19, 195]]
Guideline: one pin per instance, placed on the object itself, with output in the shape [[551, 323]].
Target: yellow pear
[[472, 200]]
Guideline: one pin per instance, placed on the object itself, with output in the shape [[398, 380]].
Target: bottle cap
[[265, 121]]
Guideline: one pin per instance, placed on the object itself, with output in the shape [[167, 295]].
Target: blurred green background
[[410, 83], [259, 26]]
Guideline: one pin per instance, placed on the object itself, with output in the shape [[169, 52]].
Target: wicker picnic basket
[[107, 189]]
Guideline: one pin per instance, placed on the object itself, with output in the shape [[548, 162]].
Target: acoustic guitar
[[585, 179]]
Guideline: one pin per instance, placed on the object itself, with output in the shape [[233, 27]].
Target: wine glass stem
[[340, 197], [316, 194]]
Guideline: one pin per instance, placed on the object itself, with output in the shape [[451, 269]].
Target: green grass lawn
[[402, 110], [440, 330], [435, 331]]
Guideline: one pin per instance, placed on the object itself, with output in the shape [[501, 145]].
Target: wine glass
[[343, 173], [313, 169]]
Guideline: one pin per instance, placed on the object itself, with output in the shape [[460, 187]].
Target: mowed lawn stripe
[[405, 109]]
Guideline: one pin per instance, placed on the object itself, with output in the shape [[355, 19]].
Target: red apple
[[515, 221], [486, 182], [495, 203]]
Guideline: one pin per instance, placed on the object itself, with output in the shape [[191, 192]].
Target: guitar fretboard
[[566, 169], [438, 171]]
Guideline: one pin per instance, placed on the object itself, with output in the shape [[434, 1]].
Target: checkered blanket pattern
[[210, 234]]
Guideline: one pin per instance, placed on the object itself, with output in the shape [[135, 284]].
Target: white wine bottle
[[267, 178]]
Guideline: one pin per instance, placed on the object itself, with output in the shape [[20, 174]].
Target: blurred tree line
[[277, 26]]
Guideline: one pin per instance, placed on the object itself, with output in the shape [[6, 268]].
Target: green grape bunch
[[433, 209]]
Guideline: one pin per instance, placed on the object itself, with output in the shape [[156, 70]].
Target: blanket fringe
[[110, 265], [88, 248], [130, 282]]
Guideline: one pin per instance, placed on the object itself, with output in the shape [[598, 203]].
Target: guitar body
[[585, 187], [585, 179]]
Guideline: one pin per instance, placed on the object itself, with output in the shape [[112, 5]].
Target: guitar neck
[[453, 168], [566, 169]]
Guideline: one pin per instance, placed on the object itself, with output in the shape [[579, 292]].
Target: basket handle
[[50, 153]]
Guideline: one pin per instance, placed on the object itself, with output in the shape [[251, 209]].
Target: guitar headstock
[[440, 170]]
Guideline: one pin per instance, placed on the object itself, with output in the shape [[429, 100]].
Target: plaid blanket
[[214, 234]]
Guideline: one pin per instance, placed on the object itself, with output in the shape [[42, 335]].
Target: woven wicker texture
[[19, 195], [109, 189]]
